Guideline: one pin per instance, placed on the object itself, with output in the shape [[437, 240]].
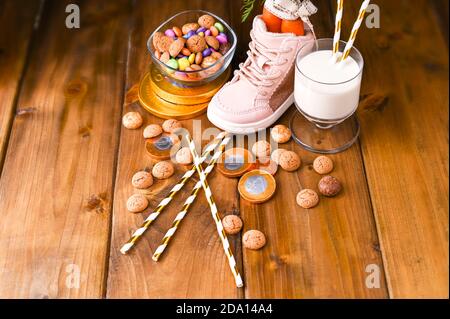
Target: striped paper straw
[[163, 204], [189, 201], [338, 26], [355, 29], [215, 215]]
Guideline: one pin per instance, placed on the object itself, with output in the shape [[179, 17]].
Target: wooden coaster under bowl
[[167, 100]]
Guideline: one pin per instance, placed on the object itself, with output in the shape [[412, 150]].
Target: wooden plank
[[323, 252], [405, 145], [441, 11], [56, 187], [194, 265], [18, 17]]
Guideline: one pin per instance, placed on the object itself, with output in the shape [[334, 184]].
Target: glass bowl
[[205, 75]]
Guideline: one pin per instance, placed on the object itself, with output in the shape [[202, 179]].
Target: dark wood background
[[66, 164]]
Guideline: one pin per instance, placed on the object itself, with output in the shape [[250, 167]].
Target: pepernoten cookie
[[307, 198], [196, 44], [323, 165], [137, 203], [163, 170], [171, 125], [289, 161], [232, 224], [162, 146], [206, 21], [330, 186], [280, 134], [257, 186], [142, 180], [176, 47], [163, 43], [184, 156], [152, 131], [261, 149], [235, 162], [254, 239], [276, 155], [132, 120]]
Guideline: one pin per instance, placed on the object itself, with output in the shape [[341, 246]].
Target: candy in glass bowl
[[192, 48]]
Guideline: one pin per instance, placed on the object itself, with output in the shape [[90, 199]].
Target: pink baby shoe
[[263, 87]]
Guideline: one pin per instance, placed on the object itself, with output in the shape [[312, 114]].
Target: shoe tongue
[[268, 39]]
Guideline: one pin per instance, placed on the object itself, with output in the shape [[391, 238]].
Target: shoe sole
[[253, 127]]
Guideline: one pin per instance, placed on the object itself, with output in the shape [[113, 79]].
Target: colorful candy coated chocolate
[[192, 58], [219, 26], [170, 33], [206, 52], [222, 38], [183, 64], [172, 63]]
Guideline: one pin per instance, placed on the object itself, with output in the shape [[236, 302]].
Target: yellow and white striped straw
[[189, 201], [338, 28], [163, 204], [215, 215], [356, 26]]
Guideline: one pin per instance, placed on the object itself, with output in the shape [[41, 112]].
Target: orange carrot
[[297, 27], [273, 23]]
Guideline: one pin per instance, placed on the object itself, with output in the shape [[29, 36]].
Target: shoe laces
[[259, 74]]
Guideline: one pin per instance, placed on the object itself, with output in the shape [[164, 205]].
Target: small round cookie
[[208, 61], [142, 180], [152, 131], [281, 134], [196, 44], [156, 38], [132, 120], [165, 57], [184, 156], [323, 165], [289, 161], [261, 149], [163, 170], [276, 155], [170, 126], [212, 42], [137, 203], [232, 224], [307, 198], [206, 21], [176, 47], [189, 27], [329, 186], [164, 43], [254, 239]]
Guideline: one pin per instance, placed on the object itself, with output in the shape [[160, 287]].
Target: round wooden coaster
[[166, 100], [235, 162], [179, 94], [160, 147], [257, 186]]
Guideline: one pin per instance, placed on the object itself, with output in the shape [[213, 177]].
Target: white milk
[[327, 90]]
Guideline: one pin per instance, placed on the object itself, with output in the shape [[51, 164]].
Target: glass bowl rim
[[325, 83], [223, 58]]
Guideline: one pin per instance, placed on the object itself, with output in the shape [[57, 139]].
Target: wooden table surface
[[66, 165]]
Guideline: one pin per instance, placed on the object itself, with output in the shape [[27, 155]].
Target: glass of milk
[[326, 95]]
